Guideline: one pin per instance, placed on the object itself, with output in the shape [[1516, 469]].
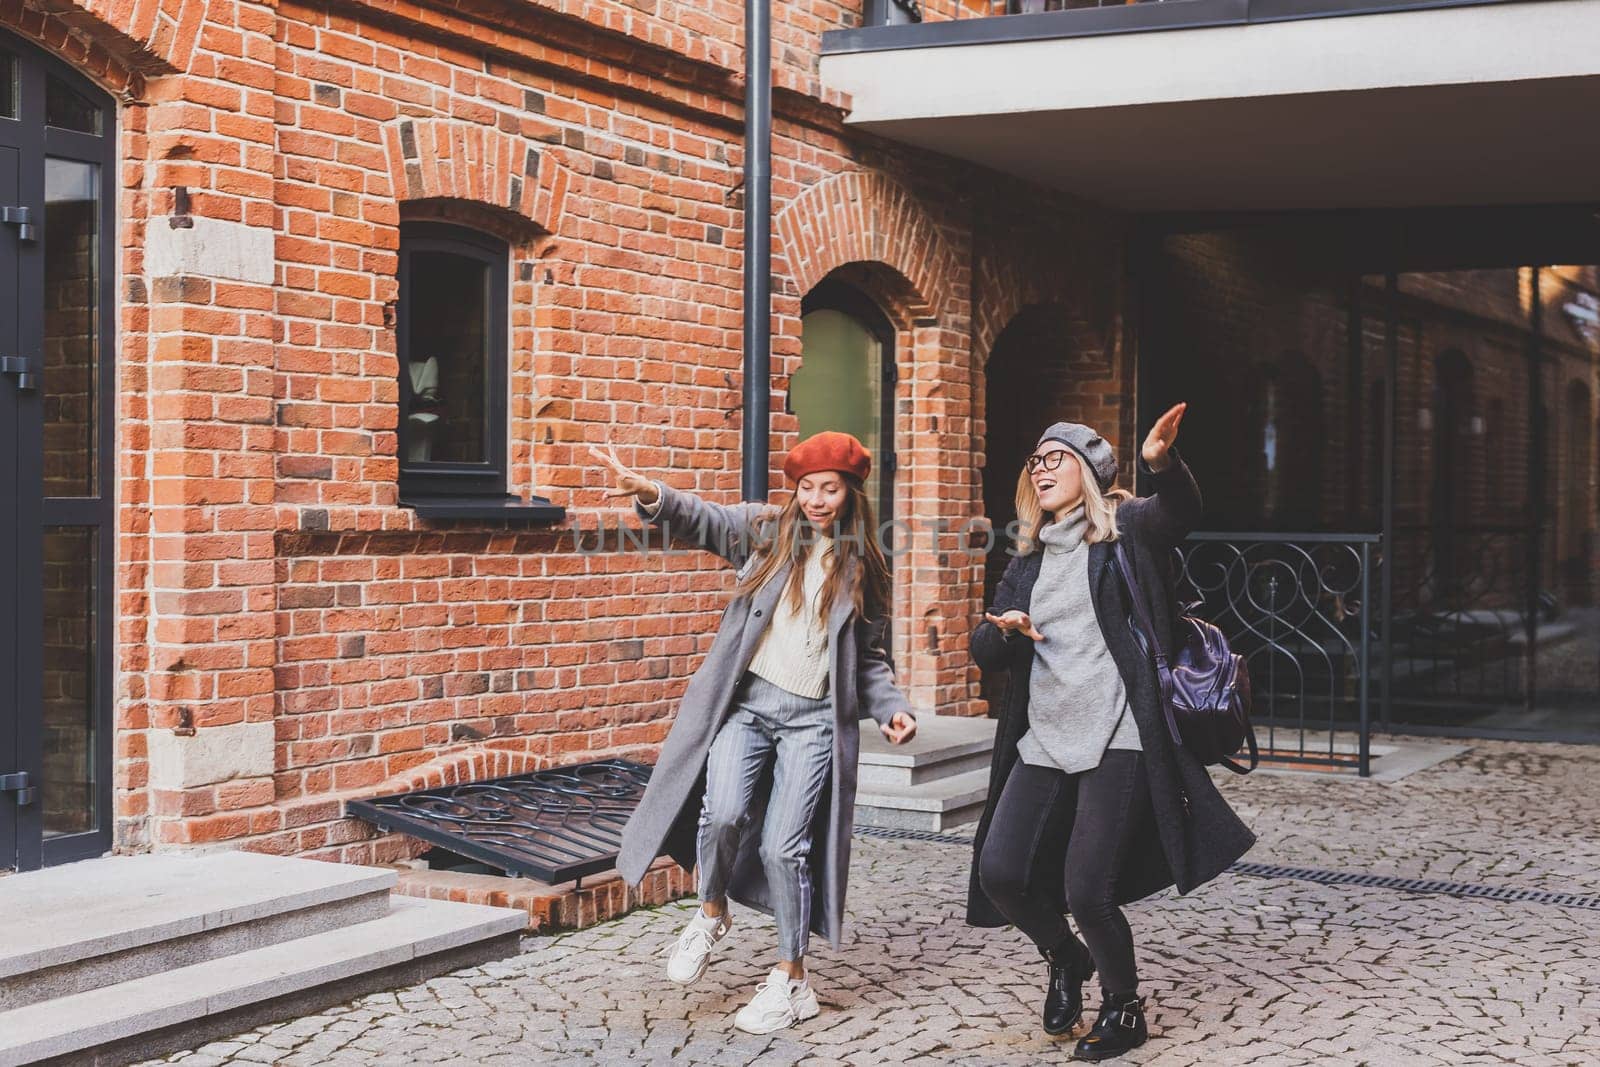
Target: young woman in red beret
[[756, 781]]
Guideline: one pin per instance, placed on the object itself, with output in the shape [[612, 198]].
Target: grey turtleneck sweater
[[1077, 704]]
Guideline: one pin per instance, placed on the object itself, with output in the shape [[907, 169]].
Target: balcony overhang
[[1250, 105]]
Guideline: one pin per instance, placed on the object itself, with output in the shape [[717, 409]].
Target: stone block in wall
[[210, 755]]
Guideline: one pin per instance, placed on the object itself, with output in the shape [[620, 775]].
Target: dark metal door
[[9, 340], [57, 494]]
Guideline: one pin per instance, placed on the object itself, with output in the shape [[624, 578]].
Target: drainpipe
[[757, 246]]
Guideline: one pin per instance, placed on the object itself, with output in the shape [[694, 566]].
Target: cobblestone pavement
[[1247, 970]]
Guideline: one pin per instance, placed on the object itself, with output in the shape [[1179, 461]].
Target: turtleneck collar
[[1066, 533]]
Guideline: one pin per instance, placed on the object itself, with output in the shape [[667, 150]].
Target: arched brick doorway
[[1027, 387]]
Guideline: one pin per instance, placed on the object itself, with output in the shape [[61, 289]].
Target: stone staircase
[[937, 780], [128, 957]]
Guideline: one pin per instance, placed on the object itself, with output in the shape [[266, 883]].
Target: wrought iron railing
[[1460, 613], [1123, 16], [1299, 608], [1029, 7]]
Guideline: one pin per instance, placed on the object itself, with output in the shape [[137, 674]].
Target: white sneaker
[[780, 1001], [693, 950]]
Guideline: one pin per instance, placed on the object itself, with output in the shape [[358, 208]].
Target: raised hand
[[1015, 620], [900, 729], [1161, 437], [628, 482]]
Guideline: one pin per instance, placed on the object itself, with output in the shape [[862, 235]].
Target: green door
[[846, 382]]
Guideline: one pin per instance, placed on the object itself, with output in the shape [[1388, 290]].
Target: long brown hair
[[856, 537], [1100, 508]]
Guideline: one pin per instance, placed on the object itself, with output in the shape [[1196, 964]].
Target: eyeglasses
[[1049, 461]]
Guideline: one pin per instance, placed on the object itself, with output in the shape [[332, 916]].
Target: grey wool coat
[[861, 680], [1192, 834]]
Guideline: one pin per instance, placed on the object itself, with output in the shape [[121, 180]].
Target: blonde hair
[[1099, 508], [855, 538]]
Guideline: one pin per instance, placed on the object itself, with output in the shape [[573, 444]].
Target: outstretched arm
[[728, 530], [1175, 508], [1005, 629]]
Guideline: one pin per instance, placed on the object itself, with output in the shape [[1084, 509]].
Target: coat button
[[758, 613]]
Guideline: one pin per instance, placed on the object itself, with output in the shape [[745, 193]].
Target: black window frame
[[420, 482]]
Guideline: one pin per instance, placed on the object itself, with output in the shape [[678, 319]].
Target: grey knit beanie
[[1091, 446]]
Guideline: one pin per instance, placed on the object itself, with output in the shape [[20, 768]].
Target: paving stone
[[1264, 972]]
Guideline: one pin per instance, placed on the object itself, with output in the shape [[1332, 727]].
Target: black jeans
[[1055, 844]]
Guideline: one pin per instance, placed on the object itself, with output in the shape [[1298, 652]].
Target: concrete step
[[176, 1008], [82, 926], [945, 746], [937, 805]]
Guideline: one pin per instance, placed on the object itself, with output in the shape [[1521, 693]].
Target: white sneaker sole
[[700, 972], [806, 1008], [691, 979]]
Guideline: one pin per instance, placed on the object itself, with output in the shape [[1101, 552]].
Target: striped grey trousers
[[768, 723]]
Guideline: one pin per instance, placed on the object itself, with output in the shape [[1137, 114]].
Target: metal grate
[[893, 834], [1465, 890], [1420, 885], [555, 825]]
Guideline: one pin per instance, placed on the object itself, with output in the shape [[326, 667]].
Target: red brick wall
[[267, 573]]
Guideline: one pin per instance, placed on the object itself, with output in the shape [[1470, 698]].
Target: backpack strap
[[1255, 755], [1142, 614]]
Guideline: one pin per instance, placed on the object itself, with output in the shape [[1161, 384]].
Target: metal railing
[[1299, 608], [901, 12], [1123, 16], [1030, 7], [1460, 599]]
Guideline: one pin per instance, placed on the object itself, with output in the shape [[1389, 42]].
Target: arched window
[[57, 474], [1452, 437], [1372, 440], [1286, 446], [1577, 513], [1494, 453], [451, 341], [846, 380], [1453, 470]]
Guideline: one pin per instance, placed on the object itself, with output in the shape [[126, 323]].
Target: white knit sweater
[[793, 653]]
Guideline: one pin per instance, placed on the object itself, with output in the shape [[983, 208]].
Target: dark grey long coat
[[1193, 835], [861, 680]]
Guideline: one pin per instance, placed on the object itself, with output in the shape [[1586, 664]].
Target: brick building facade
[[280, 632], [258, 230]]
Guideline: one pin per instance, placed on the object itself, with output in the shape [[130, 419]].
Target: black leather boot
[[1070, 967], [1119, 1028]]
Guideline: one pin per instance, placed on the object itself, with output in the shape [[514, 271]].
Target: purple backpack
[[1205, 688]]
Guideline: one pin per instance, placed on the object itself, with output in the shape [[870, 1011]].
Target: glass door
[[56, 494], [846, 382]]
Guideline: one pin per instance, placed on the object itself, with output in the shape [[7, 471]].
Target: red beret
[[829, 450]]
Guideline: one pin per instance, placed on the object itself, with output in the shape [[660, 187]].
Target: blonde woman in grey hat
[[1090, 805]]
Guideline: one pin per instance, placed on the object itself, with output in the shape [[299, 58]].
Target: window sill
[[510, 508]]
